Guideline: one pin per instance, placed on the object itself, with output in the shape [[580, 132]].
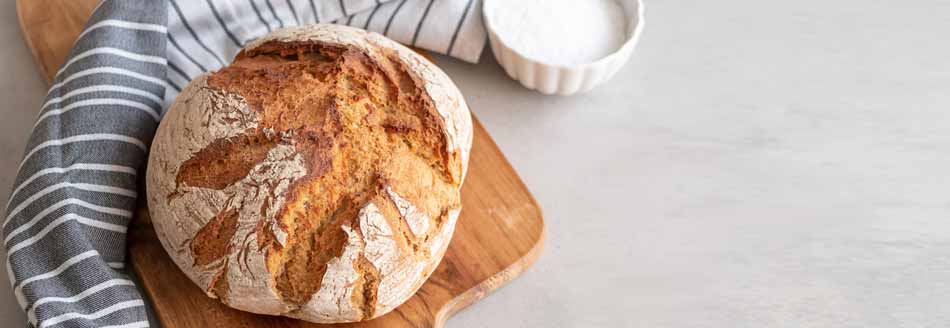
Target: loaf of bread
[[316, 177]]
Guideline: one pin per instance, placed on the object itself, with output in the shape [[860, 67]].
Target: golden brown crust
[[211, 242], [344, 176], [224, 161]]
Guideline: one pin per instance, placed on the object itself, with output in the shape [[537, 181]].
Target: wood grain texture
[[499, 234], [50, 27]]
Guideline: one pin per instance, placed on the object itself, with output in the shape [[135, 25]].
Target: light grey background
[[757, 164]]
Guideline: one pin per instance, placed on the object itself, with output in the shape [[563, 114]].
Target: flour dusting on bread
[[317, 176]]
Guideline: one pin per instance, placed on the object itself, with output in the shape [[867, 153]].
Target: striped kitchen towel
[[205, 35], [66, 218]]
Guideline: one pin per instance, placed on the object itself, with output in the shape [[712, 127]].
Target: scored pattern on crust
[[316, 177]]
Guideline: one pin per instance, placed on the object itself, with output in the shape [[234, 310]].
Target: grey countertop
[[757, 163]]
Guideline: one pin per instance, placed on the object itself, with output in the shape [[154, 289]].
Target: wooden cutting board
[[499, 234]]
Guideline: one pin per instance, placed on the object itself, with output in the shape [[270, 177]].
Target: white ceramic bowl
[[559, 79]]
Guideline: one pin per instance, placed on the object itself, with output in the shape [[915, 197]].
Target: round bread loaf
[[316, 177]]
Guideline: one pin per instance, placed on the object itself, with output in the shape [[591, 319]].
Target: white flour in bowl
[[560, 32]]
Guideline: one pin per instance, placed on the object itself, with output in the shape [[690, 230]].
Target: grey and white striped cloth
[[206, 34], [65, 225]]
